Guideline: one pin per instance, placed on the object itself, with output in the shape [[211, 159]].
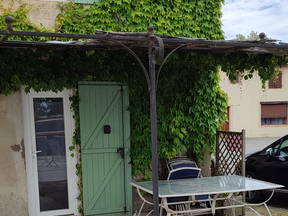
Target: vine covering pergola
[[160, 48]]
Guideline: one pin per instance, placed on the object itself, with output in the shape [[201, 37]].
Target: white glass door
[[51, 170]]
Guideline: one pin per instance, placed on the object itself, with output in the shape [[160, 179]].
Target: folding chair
[[184, 173]]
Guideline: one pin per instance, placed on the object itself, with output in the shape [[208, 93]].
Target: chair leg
[[233, 209], [161, 207], [268, 210], [140, 210]]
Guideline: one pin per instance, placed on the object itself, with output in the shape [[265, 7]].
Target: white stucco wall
[[13, 196], [245, 108]]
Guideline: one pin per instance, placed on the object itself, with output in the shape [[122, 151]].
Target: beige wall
[[245, 108], [13, 197], [42, 12]]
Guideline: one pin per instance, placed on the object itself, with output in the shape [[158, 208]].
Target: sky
[[244, 16]]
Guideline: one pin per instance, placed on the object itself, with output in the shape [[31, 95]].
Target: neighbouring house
[[262, 112]]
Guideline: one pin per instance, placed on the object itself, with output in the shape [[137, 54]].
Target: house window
[[277, 82], [274, 114]]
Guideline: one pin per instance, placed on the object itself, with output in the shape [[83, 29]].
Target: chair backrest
[[178, 160], [184, 172], [182, 164]]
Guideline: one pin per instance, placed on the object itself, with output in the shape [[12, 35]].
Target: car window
[[284, 146], [278, 149]]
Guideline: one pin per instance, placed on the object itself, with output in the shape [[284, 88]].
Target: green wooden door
[[106, 173]]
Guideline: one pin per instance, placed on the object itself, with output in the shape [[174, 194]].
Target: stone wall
[[13, 195]]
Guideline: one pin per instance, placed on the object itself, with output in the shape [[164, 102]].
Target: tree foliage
[[252, 36]]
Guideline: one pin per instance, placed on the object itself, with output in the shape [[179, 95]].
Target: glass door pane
[[51, 153]]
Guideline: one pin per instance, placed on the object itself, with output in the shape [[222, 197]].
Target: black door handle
[[120, 151]]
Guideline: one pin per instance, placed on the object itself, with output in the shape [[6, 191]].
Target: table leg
[[143, 203], [213, 204], [233, 209], [268, 210], [140, 210], [161, 208], [250, 206], [164, 204]]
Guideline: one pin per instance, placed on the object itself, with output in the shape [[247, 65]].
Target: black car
[[269, 164]]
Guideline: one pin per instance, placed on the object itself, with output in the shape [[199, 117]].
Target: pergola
[[156, 44]]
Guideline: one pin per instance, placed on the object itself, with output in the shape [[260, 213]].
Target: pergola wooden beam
[[106, 40]]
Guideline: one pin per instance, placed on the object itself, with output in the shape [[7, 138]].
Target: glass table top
[[206, 185]]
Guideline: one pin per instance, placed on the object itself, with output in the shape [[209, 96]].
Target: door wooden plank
[[99, 150], [106, 175], [105, 115], [100, 190]]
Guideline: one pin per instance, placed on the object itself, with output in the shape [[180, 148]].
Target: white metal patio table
[[218, 187]]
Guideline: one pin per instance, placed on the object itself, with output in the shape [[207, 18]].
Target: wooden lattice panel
[[230, 151]]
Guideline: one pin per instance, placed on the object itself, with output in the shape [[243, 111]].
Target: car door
[[272, 163], [281, 163]]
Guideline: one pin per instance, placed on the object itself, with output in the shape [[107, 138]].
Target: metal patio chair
[[187, 172], [184, 203]]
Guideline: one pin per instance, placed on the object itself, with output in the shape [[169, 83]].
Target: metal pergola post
[[153, 119]]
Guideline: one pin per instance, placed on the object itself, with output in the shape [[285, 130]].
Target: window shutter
[[277, 82], [274, 111]]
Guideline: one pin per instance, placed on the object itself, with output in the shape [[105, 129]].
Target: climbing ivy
[[246, 65], [199, 19], [21, 20]]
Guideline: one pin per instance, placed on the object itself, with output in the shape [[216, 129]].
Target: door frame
[[30, 149]]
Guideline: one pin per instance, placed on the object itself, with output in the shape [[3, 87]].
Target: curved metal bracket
[[138, 60], [165, 60]]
